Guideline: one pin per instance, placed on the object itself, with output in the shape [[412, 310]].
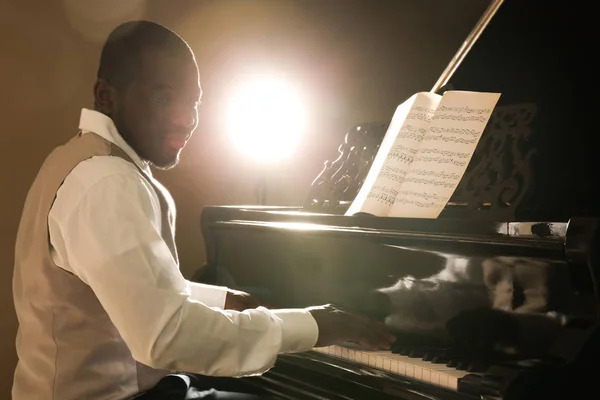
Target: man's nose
[[184, 117]]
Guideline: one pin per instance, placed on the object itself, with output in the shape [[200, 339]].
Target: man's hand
[[337, 326], [240, 301]]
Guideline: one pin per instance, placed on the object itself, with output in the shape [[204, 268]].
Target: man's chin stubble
[[165, 167]]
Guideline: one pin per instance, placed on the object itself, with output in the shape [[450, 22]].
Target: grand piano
[[498, 297]]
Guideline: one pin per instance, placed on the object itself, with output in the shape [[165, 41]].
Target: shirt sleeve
[[212, 296], [113, 243]]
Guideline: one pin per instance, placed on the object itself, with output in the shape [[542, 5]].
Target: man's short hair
[[121, 54]]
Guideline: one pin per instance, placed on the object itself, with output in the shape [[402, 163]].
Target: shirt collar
[[102, 125]]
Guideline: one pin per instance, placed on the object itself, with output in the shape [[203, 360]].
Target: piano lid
[[536, 160]]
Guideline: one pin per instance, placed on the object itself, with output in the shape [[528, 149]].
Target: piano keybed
[[416, 368]]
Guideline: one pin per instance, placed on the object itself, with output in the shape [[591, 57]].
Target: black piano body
[[497, 298], [291, 258]]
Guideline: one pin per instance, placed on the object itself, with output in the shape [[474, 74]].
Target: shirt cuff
[[210, 295], [299, 330]]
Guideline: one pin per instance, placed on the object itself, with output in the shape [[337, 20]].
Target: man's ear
[[105, 97]]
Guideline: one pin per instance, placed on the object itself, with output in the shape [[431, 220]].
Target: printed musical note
[[383, 194], [444, 154], [462, 131], [393, 174], [448, 139], [424, 154], [396, 154]]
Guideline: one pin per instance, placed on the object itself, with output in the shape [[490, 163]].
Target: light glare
[[266, 119]]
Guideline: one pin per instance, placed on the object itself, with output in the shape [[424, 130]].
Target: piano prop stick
[[424, 154]]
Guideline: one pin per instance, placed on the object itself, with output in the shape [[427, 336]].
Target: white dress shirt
[[105, 228]]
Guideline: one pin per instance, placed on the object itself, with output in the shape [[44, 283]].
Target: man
[[104, 312]]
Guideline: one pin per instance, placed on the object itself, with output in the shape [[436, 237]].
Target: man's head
[[148, 84]]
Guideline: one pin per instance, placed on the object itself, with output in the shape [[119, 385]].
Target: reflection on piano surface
[[498, 298]]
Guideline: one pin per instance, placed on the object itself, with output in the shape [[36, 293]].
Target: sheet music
[[396, 153], [444, 154]]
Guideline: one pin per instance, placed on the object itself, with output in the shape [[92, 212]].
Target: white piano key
[[416, 368]]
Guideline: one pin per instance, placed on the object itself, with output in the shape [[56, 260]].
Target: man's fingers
[[370, 345], [372, 334], [385, 335], [373, 343], [373, 325], [337, 326], [381, 331]]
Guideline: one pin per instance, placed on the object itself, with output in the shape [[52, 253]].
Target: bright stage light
[[266, 119]]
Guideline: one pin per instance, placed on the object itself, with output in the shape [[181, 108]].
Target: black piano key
[[443, 356], [440, 359], [477, 366], [462, 365], [439, 356], [416, 353], [452, 363]]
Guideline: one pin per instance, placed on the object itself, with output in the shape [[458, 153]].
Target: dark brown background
[[354, 61]]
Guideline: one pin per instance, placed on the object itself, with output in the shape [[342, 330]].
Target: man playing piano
[[104, 312]]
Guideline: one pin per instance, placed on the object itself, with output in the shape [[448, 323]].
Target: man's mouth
[[176, 143]]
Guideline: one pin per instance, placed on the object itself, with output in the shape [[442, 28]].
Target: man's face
[[158, 111]]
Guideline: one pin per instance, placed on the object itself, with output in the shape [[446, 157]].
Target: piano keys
[[499, 297], [420, 369]]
